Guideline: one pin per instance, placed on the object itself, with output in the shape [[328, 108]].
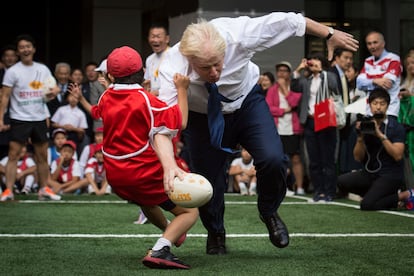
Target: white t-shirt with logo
[[26, 99]]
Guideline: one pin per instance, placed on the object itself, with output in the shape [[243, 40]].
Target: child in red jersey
[[26, 172], [138, 151], [65, 171]]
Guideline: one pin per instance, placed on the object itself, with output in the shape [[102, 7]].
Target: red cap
[[123, 62], [99, 129], [70, 143]]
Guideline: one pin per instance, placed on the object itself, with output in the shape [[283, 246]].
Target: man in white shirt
[[24, 88], [158, 39], [220, 52]]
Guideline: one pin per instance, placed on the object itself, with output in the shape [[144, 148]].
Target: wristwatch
[[331, 32], [384, 138]]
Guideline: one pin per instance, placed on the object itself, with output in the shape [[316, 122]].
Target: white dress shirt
[[244, 37]]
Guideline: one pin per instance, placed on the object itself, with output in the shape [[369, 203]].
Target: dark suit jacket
[[344, 132], [334, 70]]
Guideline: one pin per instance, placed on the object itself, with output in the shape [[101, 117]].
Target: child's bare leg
[[77, 185], [184, 219], [155, 216]]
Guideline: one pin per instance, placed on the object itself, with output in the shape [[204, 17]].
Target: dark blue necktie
[[215, 116]]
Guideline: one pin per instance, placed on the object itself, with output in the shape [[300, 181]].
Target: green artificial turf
[[89, 235]]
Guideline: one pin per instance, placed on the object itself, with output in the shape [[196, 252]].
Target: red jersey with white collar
[[131, 118], [97, 169]]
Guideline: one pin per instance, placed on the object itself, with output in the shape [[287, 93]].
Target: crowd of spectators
[[316, 159]]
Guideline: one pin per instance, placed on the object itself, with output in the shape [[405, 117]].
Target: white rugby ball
[[48, 83], [193, 191]]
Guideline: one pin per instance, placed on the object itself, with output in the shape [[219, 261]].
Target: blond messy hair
[[199, 37]]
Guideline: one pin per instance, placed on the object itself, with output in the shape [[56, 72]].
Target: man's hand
[[341, 39], [383, 83]]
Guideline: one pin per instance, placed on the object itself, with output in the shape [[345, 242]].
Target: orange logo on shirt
[[35, 85]]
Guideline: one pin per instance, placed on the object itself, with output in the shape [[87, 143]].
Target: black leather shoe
[[216, 244], [278, 233]]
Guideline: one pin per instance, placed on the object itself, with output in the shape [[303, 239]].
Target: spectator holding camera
[[320, 145], [381, 151]]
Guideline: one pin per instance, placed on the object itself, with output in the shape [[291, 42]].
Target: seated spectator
[[95, 176], [65, 171], [244, 173], [72, 119], [58, 139], [26, 172], [89, 150], [381, 150]]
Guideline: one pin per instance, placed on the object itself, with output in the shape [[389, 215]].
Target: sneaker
[[108, 190], [180, 240], [91, 191], [142, 219], [318, 197], [7, 195], [409, 204], [163, 258], [289, 192], [300, 191], [25, 191], [47, 193], [252, 189]]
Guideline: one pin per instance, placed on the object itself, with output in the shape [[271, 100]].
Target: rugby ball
[[191, 192], [48, 83]]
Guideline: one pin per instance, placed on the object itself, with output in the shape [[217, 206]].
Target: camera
[[367, 122]]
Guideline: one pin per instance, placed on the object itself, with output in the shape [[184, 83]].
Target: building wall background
[[79, 31]]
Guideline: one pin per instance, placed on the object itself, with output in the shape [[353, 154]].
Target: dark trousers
[[347, 140], [321, 147], [379, 193], [253, 127]]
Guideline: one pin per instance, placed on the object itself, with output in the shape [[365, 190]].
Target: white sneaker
[[252, 189], [25, 191], [108, 190], [142, 219], [300, 191], [289, 192], [47, 193]]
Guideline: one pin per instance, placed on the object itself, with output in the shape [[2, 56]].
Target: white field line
[[306, 235], [306, 201]]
